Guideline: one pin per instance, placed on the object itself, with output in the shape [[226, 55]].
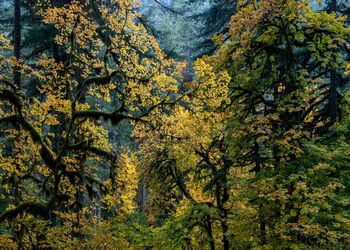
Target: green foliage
[[251, 143]]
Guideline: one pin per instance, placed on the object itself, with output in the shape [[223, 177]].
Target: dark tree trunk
[[262, 231], [332, 101], [17, 40], [210, 233], [333, 98], [17, 82], [223, 211], [225, 239]]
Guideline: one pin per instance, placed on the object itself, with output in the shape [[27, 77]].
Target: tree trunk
[[210, 233], [144, 196], [17, 82], [333, 98], [224, 239], [221, 205], [262, 230], [332, 101], [17, 41]]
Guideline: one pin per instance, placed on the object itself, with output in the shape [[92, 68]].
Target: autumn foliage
[[247, 155], [57, 162]]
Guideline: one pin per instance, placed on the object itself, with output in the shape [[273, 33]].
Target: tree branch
[[34, 208], [168, 8]]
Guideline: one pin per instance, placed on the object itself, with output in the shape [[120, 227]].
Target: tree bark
[[225, 239], [17, 41], [332, 101], [210, 233], [333, 98]]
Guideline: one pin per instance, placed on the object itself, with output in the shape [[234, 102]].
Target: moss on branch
[[100, 80], [12, 98], [45, 153], [34, 208], [114, 117], [83, 146]]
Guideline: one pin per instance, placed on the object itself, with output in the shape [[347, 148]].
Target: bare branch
[[168, 8]]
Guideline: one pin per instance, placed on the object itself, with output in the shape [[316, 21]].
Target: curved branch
[[11, 97], [97, 80], [45, 153], [168, 8], [34, 208], [10, 84], [115, 117], [83, 146]]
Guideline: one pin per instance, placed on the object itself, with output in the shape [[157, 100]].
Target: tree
[[47, 183], [259, 146], [17, 39], [280, 54], [185, 162]]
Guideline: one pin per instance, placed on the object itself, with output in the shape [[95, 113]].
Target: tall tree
[[124, 77], [17, 40], [331, 7]]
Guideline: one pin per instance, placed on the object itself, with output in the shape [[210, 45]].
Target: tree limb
[[34, 208]]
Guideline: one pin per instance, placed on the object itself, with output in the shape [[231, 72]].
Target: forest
[[175, 124]]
